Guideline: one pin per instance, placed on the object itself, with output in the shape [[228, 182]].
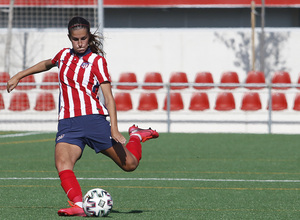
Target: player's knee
[[129, 167], [59, 165], [63, 165]]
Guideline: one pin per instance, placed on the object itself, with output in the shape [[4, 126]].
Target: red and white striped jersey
[[79, 81]]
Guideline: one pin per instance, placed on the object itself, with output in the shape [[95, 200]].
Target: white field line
[[160, 179], [21, 134]]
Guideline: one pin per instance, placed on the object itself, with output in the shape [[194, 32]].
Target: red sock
[[70, 185], [135, 147]]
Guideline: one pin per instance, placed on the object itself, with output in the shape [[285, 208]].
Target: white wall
[[165, 50], [168, 50]]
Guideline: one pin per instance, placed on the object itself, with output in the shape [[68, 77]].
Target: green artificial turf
[[181, 176]]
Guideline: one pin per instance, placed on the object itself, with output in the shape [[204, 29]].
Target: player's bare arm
[[39, 67], [111, 107]]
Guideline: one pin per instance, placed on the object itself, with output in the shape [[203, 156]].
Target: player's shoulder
[[96, 57], [64, 50]]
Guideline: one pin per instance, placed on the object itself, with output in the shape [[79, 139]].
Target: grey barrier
[[168, 86]]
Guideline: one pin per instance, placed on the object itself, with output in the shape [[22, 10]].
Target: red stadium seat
[[153, 77], [50, 77], [199, 101], [127, 77], [297, 102], [45, 102], [148, 102], [178, 77], [225, 101], [123, 101], [176, 102], [4, 77], [229, 77], [19, 102], [281, 77], [278, 102], [1, 102], [27, 79], [251, 101], [255, 77], [204, 77]]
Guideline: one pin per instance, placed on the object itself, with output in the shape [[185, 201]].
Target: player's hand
[[12, 83], [118, 137]]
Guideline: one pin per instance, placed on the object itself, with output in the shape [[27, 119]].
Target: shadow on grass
[[130, 212]]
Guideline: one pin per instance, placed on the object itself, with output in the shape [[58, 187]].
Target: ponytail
[[95, 43]]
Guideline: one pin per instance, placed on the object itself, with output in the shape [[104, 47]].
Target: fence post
[[168, 107], [270, 105]]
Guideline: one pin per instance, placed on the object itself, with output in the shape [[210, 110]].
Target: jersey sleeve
[[57, 57], [100, 70]]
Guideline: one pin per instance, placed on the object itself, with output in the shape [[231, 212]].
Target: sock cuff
[[135, 136], [65, 172]]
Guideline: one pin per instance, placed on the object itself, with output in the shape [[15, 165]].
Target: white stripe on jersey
[[61, 99]]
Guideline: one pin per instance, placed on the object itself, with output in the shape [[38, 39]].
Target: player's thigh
[[66, 155]]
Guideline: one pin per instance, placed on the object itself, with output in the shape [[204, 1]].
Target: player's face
[[80, 40]]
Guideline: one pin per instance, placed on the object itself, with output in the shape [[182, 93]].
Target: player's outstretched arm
[[39, 67]]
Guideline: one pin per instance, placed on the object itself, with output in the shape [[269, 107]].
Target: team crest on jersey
[[84, 65]]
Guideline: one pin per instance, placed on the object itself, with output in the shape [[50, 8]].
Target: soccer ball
[[97, 203]]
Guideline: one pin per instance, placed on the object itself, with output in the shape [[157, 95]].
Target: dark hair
[[95, 40]]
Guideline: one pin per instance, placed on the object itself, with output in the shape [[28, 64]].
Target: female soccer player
[[82, 117]]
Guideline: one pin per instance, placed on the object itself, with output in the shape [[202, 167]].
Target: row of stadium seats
[[49, 77], [20, 102], [256, 77], [148, 101], [176, 77], [199, 101]]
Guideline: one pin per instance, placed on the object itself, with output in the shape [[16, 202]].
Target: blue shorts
[[91, 130]]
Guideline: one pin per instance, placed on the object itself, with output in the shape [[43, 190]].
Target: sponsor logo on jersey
[[60, 137]]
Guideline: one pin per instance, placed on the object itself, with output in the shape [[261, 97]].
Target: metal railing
[[269, 86], [168, 87]]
